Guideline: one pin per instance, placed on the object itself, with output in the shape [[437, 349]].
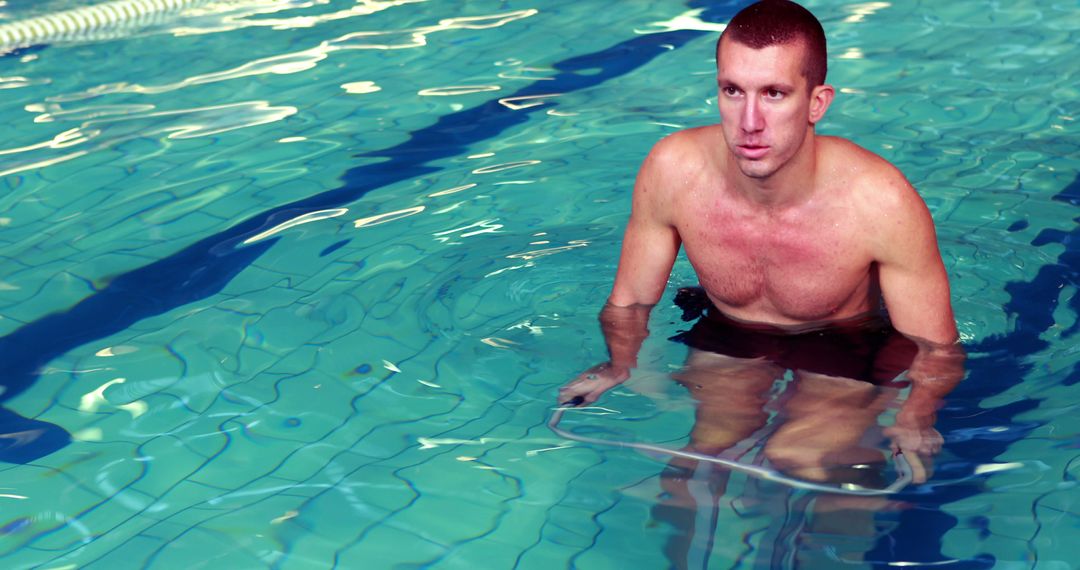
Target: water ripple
[[118, 124], [304, 60]]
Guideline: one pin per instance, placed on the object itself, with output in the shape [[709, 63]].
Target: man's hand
[[592, 383], [624, 328], [919, 444]]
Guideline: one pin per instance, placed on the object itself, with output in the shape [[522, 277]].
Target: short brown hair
[[778, 22]]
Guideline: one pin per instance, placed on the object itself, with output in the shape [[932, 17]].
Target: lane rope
[[85, 20]]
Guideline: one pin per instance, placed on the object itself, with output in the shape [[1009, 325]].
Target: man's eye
[[774, 94], [729, 90]]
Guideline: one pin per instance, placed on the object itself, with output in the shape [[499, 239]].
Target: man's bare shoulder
[[686, 149], [874, 183], [891, 213], [676, 164]]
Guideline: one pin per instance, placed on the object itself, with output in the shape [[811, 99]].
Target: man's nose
[[752, 119]]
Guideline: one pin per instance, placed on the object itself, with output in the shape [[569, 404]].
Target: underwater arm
[[650, 245], [936, 370]]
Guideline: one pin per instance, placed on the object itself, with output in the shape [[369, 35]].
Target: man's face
[[764, 104]]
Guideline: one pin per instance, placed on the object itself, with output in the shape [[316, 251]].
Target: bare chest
[[780, 269]]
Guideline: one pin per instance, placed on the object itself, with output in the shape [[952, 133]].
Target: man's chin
[[756, 169]]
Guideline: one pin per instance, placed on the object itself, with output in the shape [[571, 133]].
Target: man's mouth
[[753, 151]]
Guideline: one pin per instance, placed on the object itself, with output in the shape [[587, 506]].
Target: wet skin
[[787, 228]]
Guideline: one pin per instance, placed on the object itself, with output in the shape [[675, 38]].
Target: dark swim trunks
[[870, 350]]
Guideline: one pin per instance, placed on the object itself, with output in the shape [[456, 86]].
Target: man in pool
[[797, 239]]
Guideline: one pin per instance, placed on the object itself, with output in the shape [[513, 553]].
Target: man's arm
[[912, 276], [915, 287], [650, 245], [651, 242]]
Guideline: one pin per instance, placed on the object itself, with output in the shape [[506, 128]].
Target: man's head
[[771, 71], [780, 22]]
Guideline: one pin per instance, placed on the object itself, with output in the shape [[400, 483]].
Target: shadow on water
[[19, 53], [207, 266]]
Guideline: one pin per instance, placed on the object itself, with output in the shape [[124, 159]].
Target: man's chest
[[776, 269]]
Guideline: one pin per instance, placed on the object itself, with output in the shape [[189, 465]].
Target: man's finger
[[918, 470]]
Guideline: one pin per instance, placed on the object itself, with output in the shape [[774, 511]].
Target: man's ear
[[820, 99]]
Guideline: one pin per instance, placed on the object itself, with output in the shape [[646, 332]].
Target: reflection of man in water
[[797, 240]]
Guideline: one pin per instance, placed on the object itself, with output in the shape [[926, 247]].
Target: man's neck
[[788, 187]]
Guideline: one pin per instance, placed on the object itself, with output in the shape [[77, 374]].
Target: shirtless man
[[789, 231]]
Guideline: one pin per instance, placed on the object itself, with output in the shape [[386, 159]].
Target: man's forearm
[[625, 329], [937, 369]]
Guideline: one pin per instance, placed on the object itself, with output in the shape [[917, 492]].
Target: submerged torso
[[865, 348]]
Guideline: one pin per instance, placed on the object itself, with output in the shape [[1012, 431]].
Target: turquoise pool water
[[301, 279]]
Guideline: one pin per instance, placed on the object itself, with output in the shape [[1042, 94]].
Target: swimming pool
[[300, 280]]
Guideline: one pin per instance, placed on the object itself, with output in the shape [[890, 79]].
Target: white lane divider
[[71, 24]]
